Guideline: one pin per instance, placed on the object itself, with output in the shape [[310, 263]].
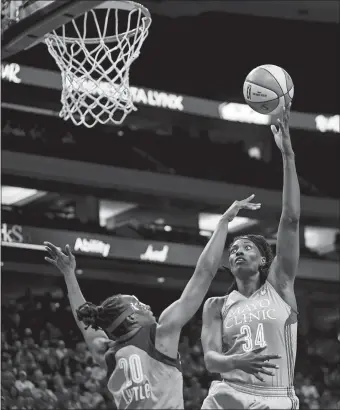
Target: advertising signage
[[106, 247], [225, 110], [136, 250]]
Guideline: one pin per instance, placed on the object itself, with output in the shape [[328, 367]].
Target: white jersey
[[262, 319]]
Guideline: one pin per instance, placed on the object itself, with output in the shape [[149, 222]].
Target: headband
[[127, 312]]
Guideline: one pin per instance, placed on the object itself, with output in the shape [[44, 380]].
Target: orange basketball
[[268, 88]]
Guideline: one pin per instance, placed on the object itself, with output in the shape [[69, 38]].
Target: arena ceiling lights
[[208, 222], [108, 209], [11, 195]]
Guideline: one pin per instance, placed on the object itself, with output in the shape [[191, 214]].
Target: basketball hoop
[[94, 53]]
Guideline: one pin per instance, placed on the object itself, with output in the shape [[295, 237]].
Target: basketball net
[[95, 69]]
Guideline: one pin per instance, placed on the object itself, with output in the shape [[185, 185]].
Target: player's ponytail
[[91, 315], [265, 250], [103, 315]]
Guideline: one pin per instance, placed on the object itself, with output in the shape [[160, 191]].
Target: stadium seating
[[46, 365]]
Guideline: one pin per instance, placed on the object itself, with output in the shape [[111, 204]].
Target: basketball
[[268, 88]]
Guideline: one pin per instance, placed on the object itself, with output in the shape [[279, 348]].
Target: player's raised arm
[[96, 340], [181, 311], [285, 264]]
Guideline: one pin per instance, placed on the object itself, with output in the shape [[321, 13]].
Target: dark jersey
[[141, 377]]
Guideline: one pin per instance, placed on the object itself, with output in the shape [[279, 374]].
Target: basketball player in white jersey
[[142, 363], [249, 336]]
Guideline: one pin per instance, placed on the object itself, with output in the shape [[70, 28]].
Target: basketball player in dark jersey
[[142, 362], [249, 336]]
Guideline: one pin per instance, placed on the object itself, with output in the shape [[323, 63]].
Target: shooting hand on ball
[[281, 134]]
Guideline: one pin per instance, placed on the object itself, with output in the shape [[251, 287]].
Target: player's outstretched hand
[[254, 362], [65, 262], [282, 134], [235, 208]]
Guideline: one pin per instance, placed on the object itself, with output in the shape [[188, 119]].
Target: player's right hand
[[66, 263], [235, 208], [254, 362]]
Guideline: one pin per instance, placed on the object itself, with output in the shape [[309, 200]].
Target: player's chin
[[152, 317], [242, 271], [147, 318], [240, 267]]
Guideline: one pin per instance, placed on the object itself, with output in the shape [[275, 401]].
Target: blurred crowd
[[45, 363], [147, 150]]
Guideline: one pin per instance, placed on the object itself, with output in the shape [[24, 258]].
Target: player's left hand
[[281, 134], [66, 263]]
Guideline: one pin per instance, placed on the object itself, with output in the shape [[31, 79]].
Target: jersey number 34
[[259, 340]]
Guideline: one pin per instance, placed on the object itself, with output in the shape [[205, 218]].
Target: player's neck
[[129, 334], [248, 286]]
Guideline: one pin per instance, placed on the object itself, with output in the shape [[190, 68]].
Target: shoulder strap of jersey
[[110, 360], [224, 305]]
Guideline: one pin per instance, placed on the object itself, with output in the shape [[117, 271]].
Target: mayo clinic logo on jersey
[[10, 72], [11, 233], [158, 99], [257, 311], [154, 255], [92, 246]]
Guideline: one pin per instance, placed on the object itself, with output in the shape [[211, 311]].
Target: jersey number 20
[[259, 337], [132, 368]]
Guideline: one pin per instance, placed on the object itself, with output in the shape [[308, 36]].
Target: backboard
[[24, 23]]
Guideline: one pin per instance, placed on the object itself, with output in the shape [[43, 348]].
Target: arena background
[[137, 203]]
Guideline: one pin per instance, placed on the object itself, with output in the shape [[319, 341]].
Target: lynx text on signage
[[154, 255], [92, 246], [155, 98]]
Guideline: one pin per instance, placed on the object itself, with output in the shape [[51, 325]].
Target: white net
[[94, 53]]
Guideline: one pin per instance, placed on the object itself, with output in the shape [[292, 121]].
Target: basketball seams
[[289, 81], [283, 93], [286, 79], [259, 104], [267, 101]]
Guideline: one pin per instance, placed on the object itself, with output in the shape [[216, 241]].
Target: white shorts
[[225, 395]]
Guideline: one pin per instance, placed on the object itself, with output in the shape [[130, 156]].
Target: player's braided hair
[[102, 316], [265, 250]]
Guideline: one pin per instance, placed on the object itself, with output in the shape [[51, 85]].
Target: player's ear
[[263, 261]]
